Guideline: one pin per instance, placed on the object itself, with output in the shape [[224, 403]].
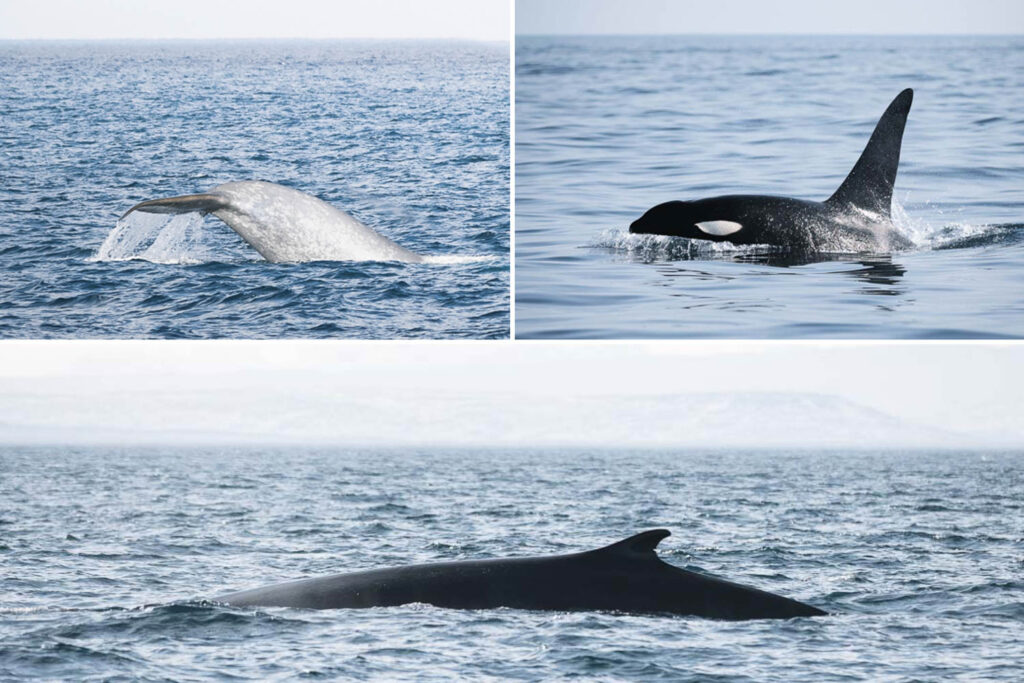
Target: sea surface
[[412, 138], [110, 557], [607, 127]]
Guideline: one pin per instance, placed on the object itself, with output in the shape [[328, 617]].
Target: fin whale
[[627, 576], [286, 225], [857, 218]]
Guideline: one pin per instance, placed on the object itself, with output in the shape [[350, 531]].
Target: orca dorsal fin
[[643, 543], [869, 185]]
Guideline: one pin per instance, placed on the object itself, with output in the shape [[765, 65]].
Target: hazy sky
[[762, 16], [76, 19], [522, 393]]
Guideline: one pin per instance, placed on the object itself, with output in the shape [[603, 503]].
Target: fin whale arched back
[[870, 183], [627, 576], [284, 224], [857, 218]]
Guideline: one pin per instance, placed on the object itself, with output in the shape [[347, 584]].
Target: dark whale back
[[869, 185], [627, 576]]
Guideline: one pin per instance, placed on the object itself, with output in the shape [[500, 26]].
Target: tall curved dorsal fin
[[869, 185], [644, 542]]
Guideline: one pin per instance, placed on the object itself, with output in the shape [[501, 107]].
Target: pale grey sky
[[522, 393], [762, 16], [98, 19]]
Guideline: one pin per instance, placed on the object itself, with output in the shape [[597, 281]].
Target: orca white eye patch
[[719, 228]]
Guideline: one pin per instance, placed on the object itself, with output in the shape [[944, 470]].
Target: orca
[[286, 225], [857, 218], [624, 577]]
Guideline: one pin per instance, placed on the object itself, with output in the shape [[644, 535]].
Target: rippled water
[[607, 127], [411, 138], [108, 556]]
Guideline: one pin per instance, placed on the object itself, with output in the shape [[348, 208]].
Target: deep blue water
[[108, 556], [411, 138], [607, 127]]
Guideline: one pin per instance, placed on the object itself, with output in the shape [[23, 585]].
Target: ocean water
[[109, 557], [607, 127], [411, 138]]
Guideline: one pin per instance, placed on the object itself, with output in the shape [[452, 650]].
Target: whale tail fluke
[[869, 185], [204, 203]]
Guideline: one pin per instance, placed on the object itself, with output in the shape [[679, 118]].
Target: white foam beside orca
[[286, 225]]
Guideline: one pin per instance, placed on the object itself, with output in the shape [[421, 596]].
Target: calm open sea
[[108, 557], [412, 138], [607, 127]]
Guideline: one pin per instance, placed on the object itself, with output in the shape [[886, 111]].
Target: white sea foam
[[662, 247], [159, 238], [926, 235], [454, 259]]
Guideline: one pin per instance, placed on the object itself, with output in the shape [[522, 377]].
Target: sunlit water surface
[[109, 557], [607, 127], [410, 138]]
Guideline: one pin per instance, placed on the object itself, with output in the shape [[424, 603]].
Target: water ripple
[[607, 127], [112, 556], [411, 137]]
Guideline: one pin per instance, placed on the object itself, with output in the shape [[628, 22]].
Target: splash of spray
[[157, 238]]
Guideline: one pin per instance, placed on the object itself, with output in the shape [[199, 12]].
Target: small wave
[[966, 236], [36, 609], [459, 258], [535, 69], [180, 261], [956, 235]]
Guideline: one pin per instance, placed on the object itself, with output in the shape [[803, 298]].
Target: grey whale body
[[627, 577], [285, 225], [857, 218]]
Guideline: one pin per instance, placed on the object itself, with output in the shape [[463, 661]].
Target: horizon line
[[251, 38], [254, 445], [774, 34]]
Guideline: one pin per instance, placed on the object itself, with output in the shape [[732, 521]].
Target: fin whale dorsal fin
[[642, 543], [869, 185]]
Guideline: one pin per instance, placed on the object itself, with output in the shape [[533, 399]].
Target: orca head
[[684, 219]]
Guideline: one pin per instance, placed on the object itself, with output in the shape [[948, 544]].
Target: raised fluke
[[286, 225], [202, 203]]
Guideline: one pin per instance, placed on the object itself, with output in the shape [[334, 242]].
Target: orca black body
[[857, 218], [627, 576]]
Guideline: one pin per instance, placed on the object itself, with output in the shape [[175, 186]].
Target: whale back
[[869, 185], [286, 225], [626, 576]]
